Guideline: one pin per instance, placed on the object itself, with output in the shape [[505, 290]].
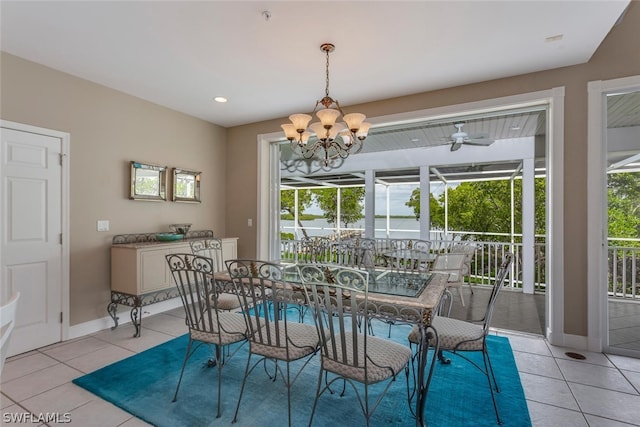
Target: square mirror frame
[[186, 185], [148, 182]]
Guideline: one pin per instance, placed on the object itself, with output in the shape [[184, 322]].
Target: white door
[[31, 250]]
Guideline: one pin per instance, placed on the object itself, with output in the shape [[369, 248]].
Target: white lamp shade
[[364, 130], [300, 121], [346, 138], [290, 131], [328, 116], [304, 137], [319, 130], [354, 120], [336, 129]]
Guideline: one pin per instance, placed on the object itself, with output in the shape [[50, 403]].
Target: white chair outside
[[469, 249], [7, 323], [451, 264]]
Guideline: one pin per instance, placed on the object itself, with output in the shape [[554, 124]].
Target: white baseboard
[[595, 344], [577, 342], [124, 317]]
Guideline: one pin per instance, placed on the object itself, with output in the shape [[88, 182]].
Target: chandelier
[[326, 140]]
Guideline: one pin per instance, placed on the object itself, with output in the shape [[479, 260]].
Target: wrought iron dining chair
[[460, 336], [212, 248], [408, 255], [349, 353], [314, 249], [208, 323], [356, 253], [7, 324], [268, 303]]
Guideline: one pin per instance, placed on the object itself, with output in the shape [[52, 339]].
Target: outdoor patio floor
[[516, 311]]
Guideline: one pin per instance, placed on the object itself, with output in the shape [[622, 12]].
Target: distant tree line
[[479, 206]]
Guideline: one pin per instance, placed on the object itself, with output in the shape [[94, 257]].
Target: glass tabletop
[[398, 283], [385, 281]]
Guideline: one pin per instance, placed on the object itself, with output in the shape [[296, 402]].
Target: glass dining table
[[403, 297]]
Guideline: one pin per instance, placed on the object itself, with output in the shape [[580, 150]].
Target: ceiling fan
[[460, 137]]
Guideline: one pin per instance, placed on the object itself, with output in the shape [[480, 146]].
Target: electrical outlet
[[250, 222], [103, 225]]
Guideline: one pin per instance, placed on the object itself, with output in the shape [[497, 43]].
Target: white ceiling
[[181, 54]]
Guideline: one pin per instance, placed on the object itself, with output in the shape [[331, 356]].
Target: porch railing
[[485, 262], [623, 263], [624, 272]]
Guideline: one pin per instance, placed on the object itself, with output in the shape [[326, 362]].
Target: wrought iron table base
[[136, 302], [428, 338]]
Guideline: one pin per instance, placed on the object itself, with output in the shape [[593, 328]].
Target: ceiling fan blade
[[455, 146], [483, 142], [480, 135]]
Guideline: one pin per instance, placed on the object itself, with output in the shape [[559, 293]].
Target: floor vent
[[575, 355]]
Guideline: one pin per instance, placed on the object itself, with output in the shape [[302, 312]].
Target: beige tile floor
[[602, 390]]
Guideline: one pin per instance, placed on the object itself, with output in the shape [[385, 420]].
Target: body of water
[[399, 228]]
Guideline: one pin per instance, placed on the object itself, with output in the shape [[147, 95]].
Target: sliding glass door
[[622, 183]]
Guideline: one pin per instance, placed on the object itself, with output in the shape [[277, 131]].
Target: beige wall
[[108, 129], [618, 56]]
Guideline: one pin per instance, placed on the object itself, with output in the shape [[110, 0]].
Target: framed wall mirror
[[186, 186], [148, 182]]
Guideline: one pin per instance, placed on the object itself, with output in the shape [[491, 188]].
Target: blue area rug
[[144, 384]]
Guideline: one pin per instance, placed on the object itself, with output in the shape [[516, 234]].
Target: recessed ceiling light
[[555, 38], [220, 99], [415, 139], [515, 128]]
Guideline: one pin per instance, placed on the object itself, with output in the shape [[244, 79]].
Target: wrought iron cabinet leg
[[136, 316], [112, 309], [136, 302]]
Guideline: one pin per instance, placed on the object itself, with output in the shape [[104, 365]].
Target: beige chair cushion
[[386, 358], [452, 332], [303, 340], [228, 302], [233, 330]]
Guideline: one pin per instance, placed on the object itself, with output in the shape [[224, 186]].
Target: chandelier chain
[[326, 90]]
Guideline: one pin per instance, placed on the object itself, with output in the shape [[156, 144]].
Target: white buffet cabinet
[[140, 268], [140, 274]]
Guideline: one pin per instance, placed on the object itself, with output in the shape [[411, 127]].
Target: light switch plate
[[103, 225]]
